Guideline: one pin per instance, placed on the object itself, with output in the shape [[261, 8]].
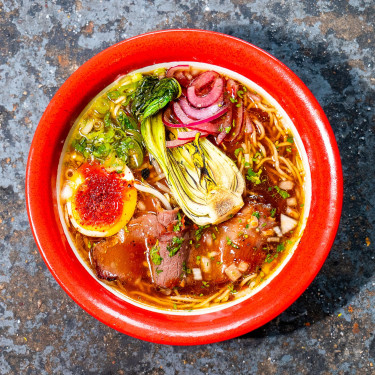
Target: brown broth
[[139, 285]]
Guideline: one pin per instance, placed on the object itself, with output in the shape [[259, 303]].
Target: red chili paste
[[99, 199]]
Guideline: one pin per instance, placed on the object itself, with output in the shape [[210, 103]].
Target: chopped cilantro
[[290, 140], [254, 177], [178, 226], [256, 214], [273, 212], [231, 243], [284, 194], [154, 254], [159, 271], [237, 151], [213, 236], [270, 258], [198, 232], [247, 226], [231, 288], [280, 248], [174, 247], [233, 100], [289, 149], [206, 284]]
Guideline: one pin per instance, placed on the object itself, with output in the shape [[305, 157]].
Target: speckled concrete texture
[[330, 45]]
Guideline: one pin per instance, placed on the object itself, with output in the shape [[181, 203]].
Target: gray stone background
[[330, 328]]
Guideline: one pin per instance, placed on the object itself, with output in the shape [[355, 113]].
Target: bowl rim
[[326, 201]]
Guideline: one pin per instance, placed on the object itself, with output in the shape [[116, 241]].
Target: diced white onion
[[233, 272], [293, 213], [243, 266], [291, 202], [247, 158], [213, 254], [208, 239], [277, 230], [154, 192], [197, 274], [273, 239], [141, 206], [205, 264], [286, 185], [243, 145], [287, 223]]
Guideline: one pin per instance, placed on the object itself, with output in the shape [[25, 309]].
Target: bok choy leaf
[[205, 183]]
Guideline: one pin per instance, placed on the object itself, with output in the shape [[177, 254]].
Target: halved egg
[[100, 202]]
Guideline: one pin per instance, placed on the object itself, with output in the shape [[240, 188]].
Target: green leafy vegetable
[[205, 183], [153, 94]]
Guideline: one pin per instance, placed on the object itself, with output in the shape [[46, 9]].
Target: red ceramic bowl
[[240, 57]]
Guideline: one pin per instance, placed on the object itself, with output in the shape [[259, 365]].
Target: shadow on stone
[[337, 86]]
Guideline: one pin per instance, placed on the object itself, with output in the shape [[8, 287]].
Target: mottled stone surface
[[330, 45]]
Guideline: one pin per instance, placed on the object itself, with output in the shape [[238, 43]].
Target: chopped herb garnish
[[89, 245], [233, 100], [159, 271], [290, 140], [219, 263], [154, 254], [213, 236], [273, 212], [280, 248], [178, 226], [289, 149], [284, 194], [263, 225], [270, 258], [238, 105], [256, 214], [254, 177], [231, 243], [247, 226], [231, 288], [174, 247], [198, 232], [175, 306], [237, 151], [206, 284]]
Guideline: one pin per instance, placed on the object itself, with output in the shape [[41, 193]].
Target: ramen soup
[[182, 188]]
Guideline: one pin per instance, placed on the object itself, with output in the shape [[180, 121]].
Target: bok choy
[[205, 183]]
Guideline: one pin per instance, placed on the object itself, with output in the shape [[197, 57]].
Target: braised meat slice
[[240, 241], [173, 249], [121, 257]]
